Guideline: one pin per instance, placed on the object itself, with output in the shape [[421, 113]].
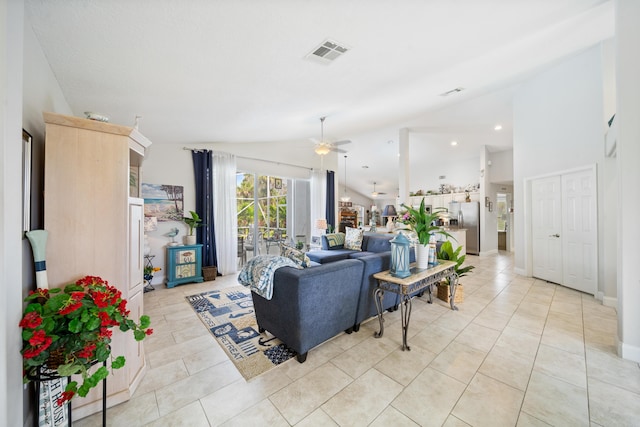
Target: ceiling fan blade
[[338, 150], [343, 142]]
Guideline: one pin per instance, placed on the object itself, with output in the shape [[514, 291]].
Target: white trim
[[520, 271], [610, 301], [489, 252], [629, 352]]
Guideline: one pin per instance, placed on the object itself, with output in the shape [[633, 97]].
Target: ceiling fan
[[323, 146], [375, 193]]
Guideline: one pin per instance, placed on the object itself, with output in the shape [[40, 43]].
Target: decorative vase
[[190, 240], [422, 255]]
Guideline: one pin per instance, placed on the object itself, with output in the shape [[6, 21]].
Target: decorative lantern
[[400, 256]]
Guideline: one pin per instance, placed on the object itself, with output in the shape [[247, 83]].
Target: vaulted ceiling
[[203, 71]]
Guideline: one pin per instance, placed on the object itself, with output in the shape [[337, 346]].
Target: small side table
[[184, 265], [148, 263]]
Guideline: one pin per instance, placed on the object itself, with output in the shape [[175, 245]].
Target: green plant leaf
[[145, 321], [138, 335], [69, 369], [75, 325], [118, 362]]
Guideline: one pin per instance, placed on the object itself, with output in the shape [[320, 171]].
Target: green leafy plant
[[193, 222], [421, 222], [447, 253], [69, 330]]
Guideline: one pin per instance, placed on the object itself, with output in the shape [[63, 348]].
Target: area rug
[[229, 316]]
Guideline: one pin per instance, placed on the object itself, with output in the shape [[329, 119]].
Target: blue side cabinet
[[184, 265]]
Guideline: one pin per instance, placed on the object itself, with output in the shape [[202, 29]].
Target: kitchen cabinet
[[96, 228]]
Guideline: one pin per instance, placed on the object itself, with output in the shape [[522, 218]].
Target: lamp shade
[[389, 210], [150, 223], [321, 224]]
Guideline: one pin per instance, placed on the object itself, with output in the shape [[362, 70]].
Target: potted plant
[[423, 224], [192, 222], [447, 253], [69, 330]]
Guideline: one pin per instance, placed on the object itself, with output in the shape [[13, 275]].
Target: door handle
[[554, 235]]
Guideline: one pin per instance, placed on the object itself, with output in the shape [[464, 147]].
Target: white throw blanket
[[257, 274]]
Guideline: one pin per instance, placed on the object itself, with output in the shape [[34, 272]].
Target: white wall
[[37, 91], [558, 125], [501, 169], [458, 172], [11, 42]]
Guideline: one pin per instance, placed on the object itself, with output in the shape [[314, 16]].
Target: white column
[[628, 153], [404, 172]]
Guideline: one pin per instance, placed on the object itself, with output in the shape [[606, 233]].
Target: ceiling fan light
[[322, 149]]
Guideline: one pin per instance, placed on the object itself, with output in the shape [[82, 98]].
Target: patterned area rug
[[228, 314]]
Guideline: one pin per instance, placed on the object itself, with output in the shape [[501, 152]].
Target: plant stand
[[47, 379], [148, 263]]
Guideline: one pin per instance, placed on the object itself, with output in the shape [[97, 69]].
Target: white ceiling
[[203, 71]]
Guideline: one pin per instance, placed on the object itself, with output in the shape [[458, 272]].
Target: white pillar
[[628, 153], [404, 172]]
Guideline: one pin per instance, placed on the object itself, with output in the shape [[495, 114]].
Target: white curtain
[[318, 199], [225, 206]]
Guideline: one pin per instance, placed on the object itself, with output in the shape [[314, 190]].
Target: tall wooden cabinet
[[95, 224]]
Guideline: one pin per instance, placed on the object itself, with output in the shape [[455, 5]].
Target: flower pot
[[444, 294], [422, 256], [189, 240]]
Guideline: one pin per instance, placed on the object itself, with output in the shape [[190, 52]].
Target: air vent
[[452, 91], [327, 51]]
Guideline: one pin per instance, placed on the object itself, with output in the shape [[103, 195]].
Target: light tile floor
[[519, 352]]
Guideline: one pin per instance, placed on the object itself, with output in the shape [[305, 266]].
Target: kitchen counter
[[458, 238]]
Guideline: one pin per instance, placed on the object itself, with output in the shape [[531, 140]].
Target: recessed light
[[498, 127], [454, 143]]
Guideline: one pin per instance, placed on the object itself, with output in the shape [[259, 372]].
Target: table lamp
[[321, 224], [390, 212]]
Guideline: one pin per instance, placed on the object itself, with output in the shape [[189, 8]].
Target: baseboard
[[519, 271], [487, 253], [610, 302], [629, 352]]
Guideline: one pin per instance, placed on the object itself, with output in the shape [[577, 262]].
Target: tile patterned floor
[[519, 352]]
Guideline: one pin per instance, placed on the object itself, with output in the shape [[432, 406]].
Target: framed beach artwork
[[165, 202]]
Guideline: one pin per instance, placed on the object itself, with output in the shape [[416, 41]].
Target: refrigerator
[[468, 215]]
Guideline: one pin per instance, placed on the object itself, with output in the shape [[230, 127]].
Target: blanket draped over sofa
[[257, 273]]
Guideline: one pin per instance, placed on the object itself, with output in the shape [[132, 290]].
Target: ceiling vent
[[452, 91], [327, 52]]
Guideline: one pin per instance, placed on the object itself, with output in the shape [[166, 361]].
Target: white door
[[564, 230], [546, 227], [580, 232]]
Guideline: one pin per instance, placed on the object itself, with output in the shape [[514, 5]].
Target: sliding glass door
[[262, 213]]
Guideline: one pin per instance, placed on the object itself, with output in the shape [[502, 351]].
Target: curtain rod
[[253, 158]]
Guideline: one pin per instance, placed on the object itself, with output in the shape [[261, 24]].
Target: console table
[[420, 280]]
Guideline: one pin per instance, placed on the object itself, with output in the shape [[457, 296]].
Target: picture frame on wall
[[26, 180], [277, 183]]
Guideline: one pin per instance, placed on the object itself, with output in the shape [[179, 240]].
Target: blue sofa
[[335, 294], [311, 305]]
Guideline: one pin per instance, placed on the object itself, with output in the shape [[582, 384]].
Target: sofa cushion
[[333, 241], [361, 254], [296, 255], [327, 256], [353, 239], [377, 243]]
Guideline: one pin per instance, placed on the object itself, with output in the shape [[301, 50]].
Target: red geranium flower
[[31, 320]]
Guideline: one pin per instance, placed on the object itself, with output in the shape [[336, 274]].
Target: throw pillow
[[297, 256], [335, 240], [353, 239]]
